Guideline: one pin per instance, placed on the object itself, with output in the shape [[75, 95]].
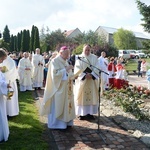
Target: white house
[[72, 33], [107, 34]]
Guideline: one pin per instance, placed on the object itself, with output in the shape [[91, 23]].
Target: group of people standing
[[29, 73], [9, 107], [117, 75], [73, 90], [70, 90]]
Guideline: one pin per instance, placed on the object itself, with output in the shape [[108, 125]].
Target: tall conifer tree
[[36, 38], [15, 43], [32, 38], [28, 40], [18, 41], [6, 35], [23, 41], [12, 43]]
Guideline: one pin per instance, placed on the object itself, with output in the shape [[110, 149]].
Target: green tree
[[6, 34], [79, 39], [23, 41], [32, 38], [6, 37], [28, 40], [18, 42], [124, 39], [145, 12], [36, 38], [91, 38], [43, 43], [78, 50], [4, 44], [55, 38], [15, 43], [110, 50], [12, 48]]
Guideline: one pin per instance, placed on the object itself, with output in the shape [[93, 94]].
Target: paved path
[[86, 135], [138, 81]]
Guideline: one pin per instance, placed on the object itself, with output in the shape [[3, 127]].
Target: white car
[[140, 54], [132, 53], [124, 54], [137, 54]]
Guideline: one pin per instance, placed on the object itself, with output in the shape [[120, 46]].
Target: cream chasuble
[[60, 90], [25, 75], [38, 70], [11, 74], [86, 91]]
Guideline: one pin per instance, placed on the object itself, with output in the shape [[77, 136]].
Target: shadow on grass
[[26, 131]]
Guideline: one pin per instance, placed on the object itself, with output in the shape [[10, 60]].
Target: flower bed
[[131, 99]]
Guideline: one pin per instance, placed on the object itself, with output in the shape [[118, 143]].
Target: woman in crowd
[[143, 67]]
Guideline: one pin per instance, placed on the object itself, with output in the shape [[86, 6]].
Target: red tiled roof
[[67, 33]]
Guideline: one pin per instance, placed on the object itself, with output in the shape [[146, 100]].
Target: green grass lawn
[[132, 64], [26, 131]]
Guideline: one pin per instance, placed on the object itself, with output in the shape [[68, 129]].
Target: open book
[[87, 70]]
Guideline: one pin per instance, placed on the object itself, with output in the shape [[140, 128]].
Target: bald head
[[103, 54], [37, 51], [86, 50], [25, 54]]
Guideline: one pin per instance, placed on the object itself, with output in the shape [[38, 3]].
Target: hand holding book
[[88, 75], [87, 70]]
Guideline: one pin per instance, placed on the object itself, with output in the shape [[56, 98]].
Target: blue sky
[[70, 14]]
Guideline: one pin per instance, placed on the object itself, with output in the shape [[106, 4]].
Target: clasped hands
[[88, 76], [69, 67], [8, 86], [113, 74], [27, 69], [40, 64]]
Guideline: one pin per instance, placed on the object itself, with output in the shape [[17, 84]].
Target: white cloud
[[69, 14]]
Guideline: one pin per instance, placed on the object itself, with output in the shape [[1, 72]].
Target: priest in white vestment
[[11, 74], [103, 64], [86, 85], [25, 73], [38, 63], [4, 128], [58, 102]]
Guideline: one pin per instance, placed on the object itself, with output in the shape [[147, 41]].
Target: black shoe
[[62, 130], [82, 118], [91, 117], [39, 88], [1, 142]]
